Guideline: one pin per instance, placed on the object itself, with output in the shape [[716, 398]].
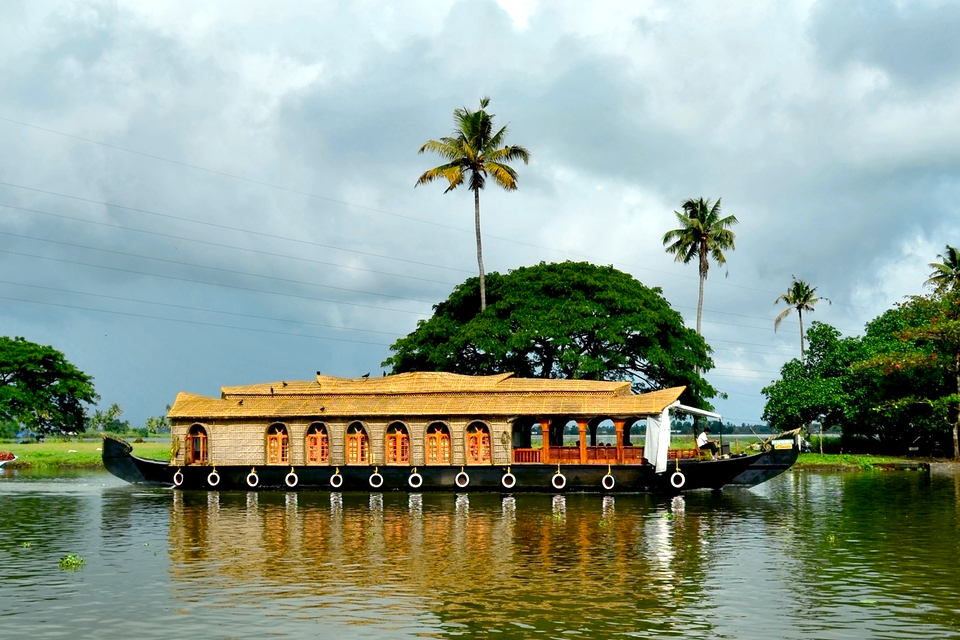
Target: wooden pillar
[[582, 425], [618, 424], [545, 452]]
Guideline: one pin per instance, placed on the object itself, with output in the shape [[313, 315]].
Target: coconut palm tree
[[802, 297], [702, 234], [946, 275], [473, 152]]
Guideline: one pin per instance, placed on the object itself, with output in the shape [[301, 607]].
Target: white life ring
[[678, 480], [336, 481], [415, 480], [253, 479], [608, 482], [376, 480], [559, 481], [178, 478], [213, 479], [291, 479], [509, 481], [462, 479]]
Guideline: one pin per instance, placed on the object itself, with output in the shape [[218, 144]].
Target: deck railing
[[595, 455], [526, 455], [602, 455], [567, 455]]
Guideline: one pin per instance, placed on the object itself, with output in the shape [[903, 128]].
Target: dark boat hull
[[775, 462], [693, 474]]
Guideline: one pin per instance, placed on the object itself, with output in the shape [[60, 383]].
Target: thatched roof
[[424, 394]]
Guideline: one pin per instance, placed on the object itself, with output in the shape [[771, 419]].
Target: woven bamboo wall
[[244, 442]]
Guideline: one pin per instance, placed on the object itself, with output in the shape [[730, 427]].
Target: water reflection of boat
[[435, 432]]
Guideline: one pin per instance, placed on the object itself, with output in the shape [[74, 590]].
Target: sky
[[196, 195]]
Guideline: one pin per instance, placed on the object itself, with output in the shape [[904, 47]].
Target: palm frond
[[779, 319], [503, 175]]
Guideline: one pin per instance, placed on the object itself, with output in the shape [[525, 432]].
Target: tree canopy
[[40, 389], [474, 151], [884, 389], [561, 320]]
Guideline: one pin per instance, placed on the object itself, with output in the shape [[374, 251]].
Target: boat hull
[[683, 476], [777, 460]]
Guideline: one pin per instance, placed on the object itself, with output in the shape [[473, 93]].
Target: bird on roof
[[241, 401], [271, 390], [284, 382], [366, 375]]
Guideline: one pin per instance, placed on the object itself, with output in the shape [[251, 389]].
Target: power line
[[226, 246], [349, 204], [200, 266], [195, 322], [227, 227], [188, 308], [213, 284]]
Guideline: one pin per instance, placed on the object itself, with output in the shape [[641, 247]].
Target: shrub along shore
[[86, 455]]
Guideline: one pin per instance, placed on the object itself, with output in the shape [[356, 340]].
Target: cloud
[[287, 205]]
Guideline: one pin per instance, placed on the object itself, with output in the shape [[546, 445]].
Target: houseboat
[[432, 431]]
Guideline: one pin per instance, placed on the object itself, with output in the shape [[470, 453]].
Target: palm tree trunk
[[703, 276], [483, 285], [800, 316]]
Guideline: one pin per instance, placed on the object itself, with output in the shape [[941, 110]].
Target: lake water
[[808, 555]]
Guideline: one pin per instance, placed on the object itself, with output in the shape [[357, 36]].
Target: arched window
[[197, 445], [278, 445], [357, 444], [318, 444], [478, 443], [398, 443], [438, 444]]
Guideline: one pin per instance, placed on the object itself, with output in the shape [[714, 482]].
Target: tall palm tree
[[946, 274], [473, 152], [802, 297], [702, 234]]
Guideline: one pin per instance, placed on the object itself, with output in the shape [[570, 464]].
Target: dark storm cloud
[[914, 42], [830, 134]]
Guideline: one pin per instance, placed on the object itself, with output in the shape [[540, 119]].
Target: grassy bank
[[847, 461], [77, 455]]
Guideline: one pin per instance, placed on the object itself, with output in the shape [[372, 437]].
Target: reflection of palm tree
[[474, 151], [800, 296], [702, 234], [945, 275]]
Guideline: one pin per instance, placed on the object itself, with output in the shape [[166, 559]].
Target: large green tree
[[562, 320], [802, 297], [40, 389], [702, 235], [931, 353], [475, 151], [881, 389]]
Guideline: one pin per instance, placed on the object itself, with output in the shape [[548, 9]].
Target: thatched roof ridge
[[426, 382]]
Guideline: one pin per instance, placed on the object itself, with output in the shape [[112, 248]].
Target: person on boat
[[704, 443]]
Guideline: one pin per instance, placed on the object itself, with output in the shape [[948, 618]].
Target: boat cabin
[[422, 419]]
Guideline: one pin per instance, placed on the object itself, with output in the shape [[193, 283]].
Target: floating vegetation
[[72, 562], [25, 545]]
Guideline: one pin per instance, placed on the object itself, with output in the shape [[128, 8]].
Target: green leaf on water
[[72, 562]]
